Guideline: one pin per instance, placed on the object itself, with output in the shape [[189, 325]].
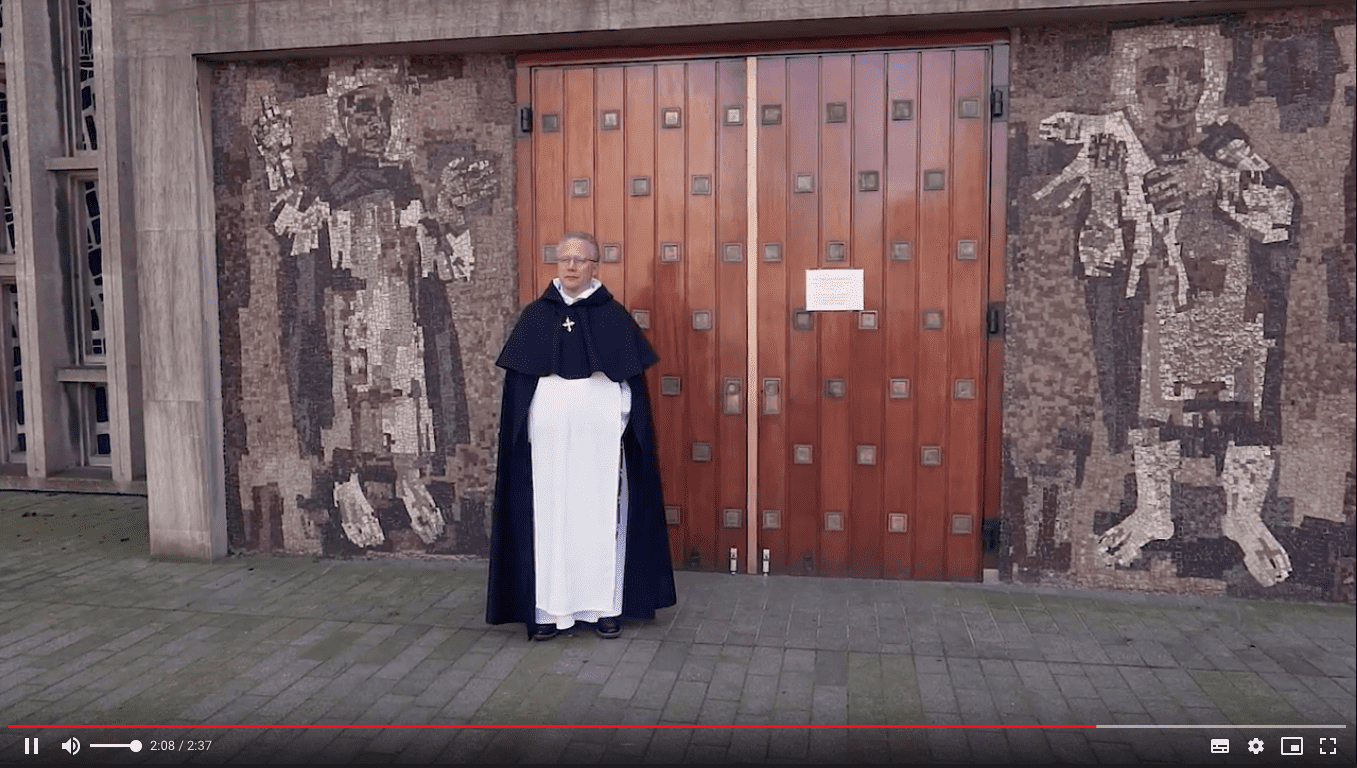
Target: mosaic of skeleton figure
[[1183, 218]]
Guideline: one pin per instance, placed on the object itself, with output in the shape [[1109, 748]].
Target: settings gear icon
[[1256, 746]]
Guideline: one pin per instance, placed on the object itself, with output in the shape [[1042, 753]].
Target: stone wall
[[1179, 385], [365, 243]]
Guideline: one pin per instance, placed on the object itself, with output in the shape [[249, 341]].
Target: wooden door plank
[[577, 125], [866, 394], [836, 199], [638, 128], [729, 187], [609, 187], [671, 323], [900, 454], [699, 266], [966, 334], [935, 121], [638, 135], [802, 115], [774, 318], [549, 169]]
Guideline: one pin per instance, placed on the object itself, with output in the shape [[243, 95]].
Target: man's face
[[575, 265], [1169, 83], [367, 122]]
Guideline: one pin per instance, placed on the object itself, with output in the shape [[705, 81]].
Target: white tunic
[[578, 487]]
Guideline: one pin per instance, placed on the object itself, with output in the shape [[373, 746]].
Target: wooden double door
[[828, 442]]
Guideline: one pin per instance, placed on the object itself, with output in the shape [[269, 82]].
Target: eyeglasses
[[576, 262]]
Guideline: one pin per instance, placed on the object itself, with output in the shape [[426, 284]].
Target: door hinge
[[991, 529], [994, 319], [524, 120], [998, 103]]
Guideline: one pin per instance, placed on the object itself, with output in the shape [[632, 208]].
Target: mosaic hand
[[273, 138]]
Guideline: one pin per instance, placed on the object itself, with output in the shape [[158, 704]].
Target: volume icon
[[30, 745], [71, 745]]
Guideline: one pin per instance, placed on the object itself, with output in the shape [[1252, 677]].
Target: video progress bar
[[687, 726], [1214, 727]]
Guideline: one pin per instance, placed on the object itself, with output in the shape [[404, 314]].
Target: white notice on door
[[831, 289]]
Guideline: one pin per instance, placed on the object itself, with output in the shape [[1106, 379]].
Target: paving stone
[[1076, 686], [965, 673], [1036, 675], [654, 688], [831, 667], [937, 694], [976, 707], [685, 702], [829, 705]]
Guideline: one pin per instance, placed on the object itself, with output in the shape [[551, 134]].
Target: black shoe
[[608, 627], [542, 631]]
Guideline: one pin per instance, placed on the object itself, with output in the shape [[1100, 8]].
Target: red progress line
[[506, 726]]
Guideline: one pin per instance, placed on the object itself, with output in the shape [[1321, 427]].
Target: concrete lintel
[[289, 27], [85, 161], [85, 373]]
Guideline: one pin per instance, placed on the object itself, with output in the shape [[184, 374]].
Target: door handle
[[732, 397], [772, 397]]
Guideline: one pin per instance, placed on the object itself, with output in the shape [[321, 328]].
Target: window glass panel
[[13, 370], [89, 409], [86, 133], [103, 446], [6, 201], [92, 268]]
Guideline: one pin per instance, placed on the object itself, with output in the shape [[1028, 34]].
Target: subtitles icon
[[1293, 745], [1220, 746]]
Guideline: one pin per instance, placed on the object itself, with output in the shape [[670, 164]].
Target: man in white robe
[[576, 363]]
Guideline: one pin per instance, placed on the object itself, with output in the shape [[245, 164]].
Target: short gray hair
[[583, 237]]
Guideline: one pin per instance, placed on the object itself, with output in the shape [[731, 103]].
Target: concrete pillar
[[123, 327], [177, 283], [40, 234]]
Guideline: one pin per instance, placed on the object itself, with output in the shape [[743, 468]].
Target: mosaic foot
[[1120, 544], [1264, 556], [425, 519], [356, 514], [1248, 472]]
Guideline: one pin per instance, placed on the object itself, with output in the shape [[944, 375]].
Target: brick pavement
[[93, 632]]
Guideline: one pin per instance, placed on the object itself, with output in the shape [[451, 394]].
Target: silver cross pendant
[[568, 325]]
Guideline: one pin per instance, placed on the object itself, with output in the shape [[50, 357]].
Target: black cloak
[[602, 337]]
